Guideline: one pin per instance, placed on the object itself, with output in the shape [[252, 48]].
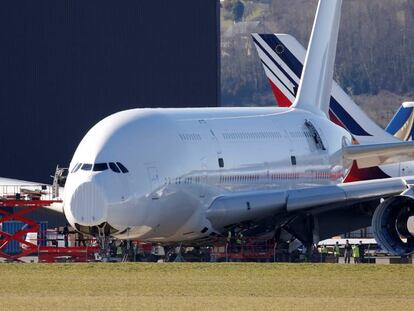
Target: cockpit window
[[77, 166], [114, 168], [123, 168], [86, 167], [99, 167]]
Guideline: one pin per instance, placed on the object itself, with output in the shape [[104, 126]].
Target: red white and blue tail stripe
[[282, 57]]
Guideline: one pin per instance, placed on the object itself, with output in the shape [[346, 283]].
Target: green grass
[[190, 286]]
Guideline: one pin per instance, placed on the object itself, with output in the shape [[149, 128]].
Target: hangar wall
[[64, 65]]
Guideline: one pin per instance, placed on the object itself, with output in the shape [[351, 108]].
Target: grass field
[[190, 286]]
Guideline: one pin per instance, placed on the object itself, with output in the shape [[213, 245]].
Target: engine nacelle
[[393, 225]]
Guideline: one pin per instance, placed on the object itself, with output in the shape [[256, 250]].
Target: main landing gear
[[302, 227]]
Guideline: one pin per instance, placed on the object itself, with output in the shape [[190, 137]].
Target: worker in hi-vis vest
[[337, 252], [355, 253], [239, 239]]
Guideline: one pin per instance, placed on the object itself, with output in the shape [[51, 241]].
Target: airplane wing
[[17, 182], [10, 187], [235, 208], [379, 154]]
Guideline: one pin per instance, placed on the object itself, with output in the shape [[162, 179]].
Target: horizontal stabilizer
[[379, 154]]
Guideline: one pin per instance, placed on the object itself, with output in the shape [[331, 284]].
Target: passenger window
[[114, 168], [123, 168], [99, 167], [86, 167]]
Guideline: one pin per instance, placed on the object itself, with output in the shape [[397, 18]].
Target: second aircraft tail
[[401, 125], [282, 57]]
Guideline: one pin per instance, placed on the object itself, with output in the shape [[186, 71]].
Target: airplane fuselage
[[180, 160]]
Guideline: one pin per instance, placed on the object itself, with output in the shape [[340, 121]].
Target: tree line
[[375, 48]]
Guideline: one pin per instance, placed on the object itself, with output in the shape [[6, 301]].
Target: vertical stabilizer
[[402, 124], [316, 84]]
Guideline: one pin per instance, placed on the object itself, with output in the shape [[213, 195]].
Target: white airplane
[[186, 175], [282, 57], [172, 175]]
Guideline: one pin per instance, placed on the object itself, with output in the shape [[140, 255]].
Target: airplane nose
[[88, 205]]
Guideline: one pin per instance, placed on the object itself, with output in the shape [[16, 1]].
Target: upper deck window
[[86, 167], [123, 168], [114, 168], [99, 167]]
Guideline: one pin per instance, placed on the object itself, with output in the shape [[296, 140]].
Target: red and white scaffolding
[[29, 199]]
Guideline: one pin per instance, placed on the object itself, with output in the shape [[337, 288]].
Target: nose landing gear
[[102, 233], [104, 243]]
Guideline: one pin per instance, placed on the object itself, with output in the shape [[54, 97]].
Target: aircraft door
[[204, 168], [154, 179], [292, 170], [212, 136]]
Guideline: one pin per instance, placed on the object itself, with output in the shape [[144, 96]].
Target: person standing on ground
[[355, 253], [361, 252], [66, 234], [239, 241], [323, 252], [337, 252], [229, 237], [347, 253]]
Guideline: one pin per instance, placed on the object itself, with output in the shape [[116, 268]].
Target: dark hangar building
[[65, 65]]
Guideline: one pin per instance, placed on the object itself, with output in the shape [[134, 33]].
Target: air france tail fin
[[401, 125], [315, 86], [282, 57]]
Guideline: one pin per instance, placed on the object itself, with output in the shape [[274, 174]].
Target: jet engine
[[393, 225]]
